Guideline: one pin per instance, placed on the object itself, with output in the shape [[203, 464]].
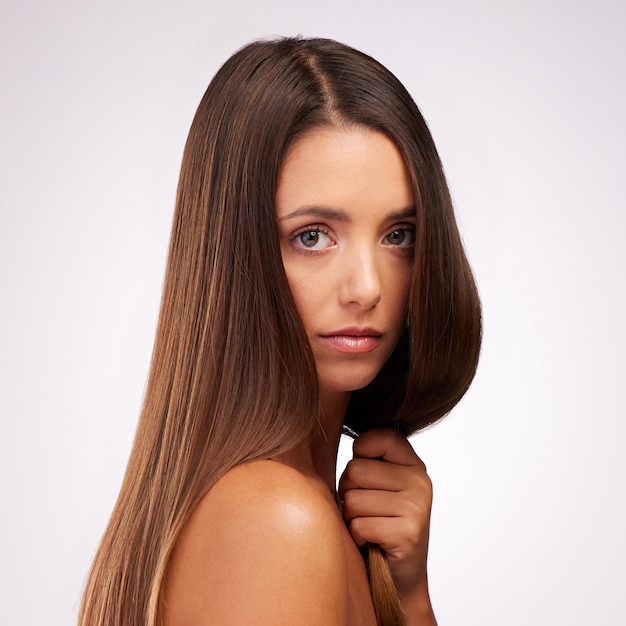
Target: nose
[[361, 283]]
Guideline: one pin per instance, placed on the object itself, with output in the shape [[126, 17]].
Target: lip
[[353, 340]]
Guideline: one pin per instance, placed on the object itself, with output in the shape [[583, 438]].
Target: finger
[[376, 503], [362, 473], [384, 531], [386, 444], [364, 530]]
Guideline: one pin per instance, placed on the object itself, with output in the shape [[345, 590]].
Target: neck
[[324, 448], [318, 457]]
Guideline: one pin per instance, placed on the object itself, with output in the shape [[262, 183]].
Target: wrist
[[417, 605]]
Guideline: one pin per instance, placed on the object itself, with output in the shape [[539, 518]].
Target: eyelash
[[311, 228], [319, 228], [407, 228]]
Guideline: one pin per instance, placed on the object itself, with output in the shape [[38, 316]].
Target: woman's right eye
[[312, 239]]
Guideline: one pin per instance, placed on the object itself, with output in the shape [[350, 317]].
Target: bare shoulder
[[264, 546]]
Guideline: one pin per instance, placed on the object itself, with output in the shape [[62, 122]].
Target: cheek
[[397, 287], [308, 291], [303, 304]]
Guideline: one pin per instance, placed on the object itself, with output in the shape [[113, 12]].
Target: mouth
[[353, 340]]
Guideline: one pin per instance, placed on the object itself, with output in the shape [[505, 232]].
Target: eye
[[401, 237], [311, 238]]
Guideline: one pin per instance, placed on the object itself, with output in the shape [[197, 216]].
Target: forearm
[[418, 608]]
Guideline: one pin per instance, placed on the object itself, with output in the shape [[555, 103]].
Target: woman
[[315, 280]]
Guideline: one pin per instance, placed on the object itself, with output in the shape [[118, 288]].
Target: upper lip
[[353, 331]]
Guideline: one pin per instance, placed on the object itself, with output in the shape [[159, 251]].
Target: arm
[[387, 498], [262, 548]]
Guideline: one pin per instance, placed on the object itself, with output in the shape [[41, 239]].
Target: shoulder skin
[[263, 547]]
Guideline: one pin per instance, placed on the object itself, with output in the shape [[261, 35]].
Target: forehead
[[343, 167]]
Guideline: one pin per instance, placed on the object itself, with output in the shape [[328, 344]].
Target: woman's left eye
[[401, 237]]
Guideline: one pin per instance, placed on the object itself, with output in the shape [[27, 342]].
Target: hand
[[387, 497]]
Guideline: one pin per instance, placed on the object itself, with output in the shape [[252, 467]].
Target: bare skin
[[267, 544], [387, 497], [270, 545]]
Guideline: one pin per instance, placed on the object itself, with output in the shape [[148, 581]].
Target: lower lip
[[352, 343]]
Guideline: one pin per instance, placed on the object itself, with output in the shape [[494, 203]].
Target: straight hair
[[231, 364]]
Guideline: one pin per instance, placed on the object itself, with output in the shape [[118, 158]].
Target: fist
[[387, 498]]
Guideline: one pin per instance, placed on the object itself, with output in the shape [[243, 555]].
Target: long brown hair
[[231, 364]]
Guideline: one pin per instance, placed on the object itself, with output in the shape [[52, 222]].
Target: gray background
[[526, 102]]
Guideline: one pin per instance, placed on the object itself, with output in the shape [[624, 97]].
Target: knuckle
[[349, 499], [350, 472], [411, 532], [428, 487], [356, 530], [358, 467], [422, 481]]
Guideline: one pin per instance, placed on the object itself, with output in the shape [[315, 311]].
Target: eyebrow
[[340, 215]]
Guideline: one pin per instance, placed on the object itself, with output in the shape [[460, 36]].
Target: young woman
[[316, 282]]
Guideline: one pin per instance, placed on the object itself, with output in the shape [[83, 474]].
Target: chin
[[345, 381]]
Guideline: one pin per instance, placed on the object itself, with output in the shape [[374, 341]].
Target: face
[[346, 219]]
